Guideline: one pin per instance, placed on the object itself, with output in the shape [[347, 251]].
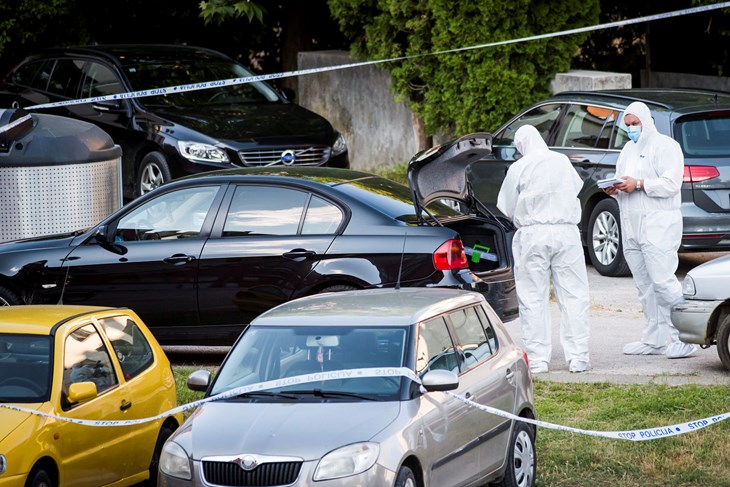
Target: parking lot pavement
[[615, 319]]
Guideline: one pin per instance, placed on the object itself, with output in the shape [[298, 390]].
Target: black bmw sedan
[[200, 257]]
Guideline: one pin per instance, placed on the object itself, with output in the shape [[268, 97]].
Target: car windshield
[[149, 74], [704, 135], [393, 199], [25, 368], [312, 353]]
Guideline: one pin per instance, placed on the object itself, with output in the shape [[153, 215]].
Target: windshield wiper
[[321, 393], [267, 394]]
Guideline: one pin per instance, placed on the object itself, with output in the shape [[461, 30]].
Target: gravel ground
[[615, 319]]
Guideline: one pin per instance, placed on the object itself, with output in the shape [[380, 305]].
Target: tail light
[[696, 174], [450, 256]]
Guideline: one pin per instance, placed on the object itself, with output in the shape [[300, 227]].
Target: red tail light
[[527, 361], [696, 174], [450, 256]]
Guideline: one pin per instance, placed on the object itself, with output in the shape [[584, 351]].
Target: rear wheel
[[604, 240], [405, 478], [153, 173], [522, 460], [8, 297], [723, 342]]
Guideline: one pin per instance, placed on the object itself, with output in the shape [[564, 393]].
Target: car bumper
[[377, 475], [702, 230], [692, 319]]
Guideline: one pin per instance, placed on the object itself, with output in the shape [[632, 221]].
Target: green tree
[[471, 90]]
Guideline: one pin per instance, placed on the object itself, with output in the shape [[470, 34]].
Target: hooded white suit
[[539, 194], [651, 227]]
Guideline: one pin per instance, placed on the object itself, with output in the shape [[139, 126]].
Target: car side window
[[66, 77], [322, 217], [173, 215], [129, 343], [34, 74], [86, 359], [488, 328], [473, 342], [435, 349], [586, 126], [100, 81], [620, 138], [542, 118], [264, 210]]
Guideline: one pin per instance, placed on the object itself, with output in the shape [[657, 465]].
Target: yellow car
[[83, 363]]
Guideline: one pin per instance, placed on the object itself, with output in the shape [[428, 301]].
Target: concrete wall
[[358, 102], [581, 80], [661, 79]]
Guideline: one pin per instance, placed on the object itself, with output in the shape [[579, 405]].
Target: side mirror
[[440, 380], [289, 94], [81, 391], [199, 380], [101, 237]]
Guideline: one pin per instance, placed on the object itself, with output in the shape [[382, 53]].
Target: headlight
[[346, 461], [3, 464], [197, 152], [688, 286], [339, 146], [174, 461]]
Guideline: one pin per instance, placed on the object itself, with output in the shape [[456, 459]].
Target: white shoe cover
[[641, 348], [579, 366], [680, 350], [539, 368]]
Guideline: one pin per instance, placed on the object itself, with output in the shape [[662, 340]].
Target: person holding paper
[[652, 166], [540, 195]]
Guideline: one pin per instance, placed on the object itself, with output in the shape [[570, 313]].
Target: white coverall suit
[[651, 228], [539, 194]]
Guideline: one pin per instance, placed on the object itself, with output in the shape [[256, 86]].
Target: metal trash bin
[[57, 174]]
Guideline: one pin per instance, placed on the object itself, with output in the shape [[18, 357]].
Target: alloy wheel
[[151, 178], [605, 238]]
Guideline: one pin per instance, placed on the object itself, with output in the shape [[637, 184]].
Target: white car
[[704, 317]]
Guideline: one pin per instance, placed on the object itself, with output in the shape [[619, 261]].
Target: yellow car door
[[91, 455]]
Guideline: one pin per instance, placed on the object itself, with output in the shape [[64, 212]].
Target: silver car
[[704, 316], [341, 405]]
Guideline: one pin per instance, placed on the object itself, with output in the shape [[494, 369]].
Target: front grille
[[302, 156], [266, 474]]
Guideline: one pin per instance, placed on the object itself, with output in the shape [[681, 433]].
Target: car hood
[[305, 430], [440, 172], [711, 279], [254, 122], [44, 242]]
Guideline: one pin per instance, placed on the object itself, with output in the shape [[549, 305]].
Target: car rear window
[[704, 135], [391, 198]]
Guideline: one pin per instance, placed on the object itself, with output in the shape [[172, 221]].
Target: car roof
[[369, 307], [324, 175], [669, 99], [125, 54], [40, 319]]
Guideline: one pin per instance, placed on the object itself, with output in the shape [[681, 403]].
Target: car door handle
[[299, 254], [510, 375], [125, 405], [581, 161], [179, 259]]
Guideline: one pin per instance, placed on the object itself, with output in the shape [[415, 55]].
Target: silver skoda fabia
[[350, 389]]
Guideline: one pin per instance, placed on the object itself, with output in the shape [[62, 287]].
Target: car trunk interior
[[484, 243]]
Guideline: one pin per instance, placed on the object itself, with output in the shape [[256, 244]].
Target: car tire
[[723, 342], [337, 288], [522, 460], [39, 478], [405, 478], [8, 297], [165, 433], [605, 249], [153, 173]]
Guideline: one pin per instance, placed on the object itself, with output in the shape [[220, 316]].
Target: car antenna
[[400, 266]]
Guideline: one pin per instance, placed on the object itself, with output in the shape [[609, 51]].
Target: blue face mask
[[634, 131]]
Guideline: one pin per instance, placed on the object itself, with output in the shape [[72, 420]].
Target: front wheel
[[522, 459], [8, 297], [39, 478], [153, 173], [405, 478], [723, 342], [604, 240]]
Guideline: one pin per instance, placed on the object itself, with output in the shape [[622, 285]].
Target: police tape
[[168, 90], [630, 435]]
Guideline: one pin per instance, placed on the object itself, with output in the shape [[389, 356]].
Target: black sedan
[[201, 256]]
